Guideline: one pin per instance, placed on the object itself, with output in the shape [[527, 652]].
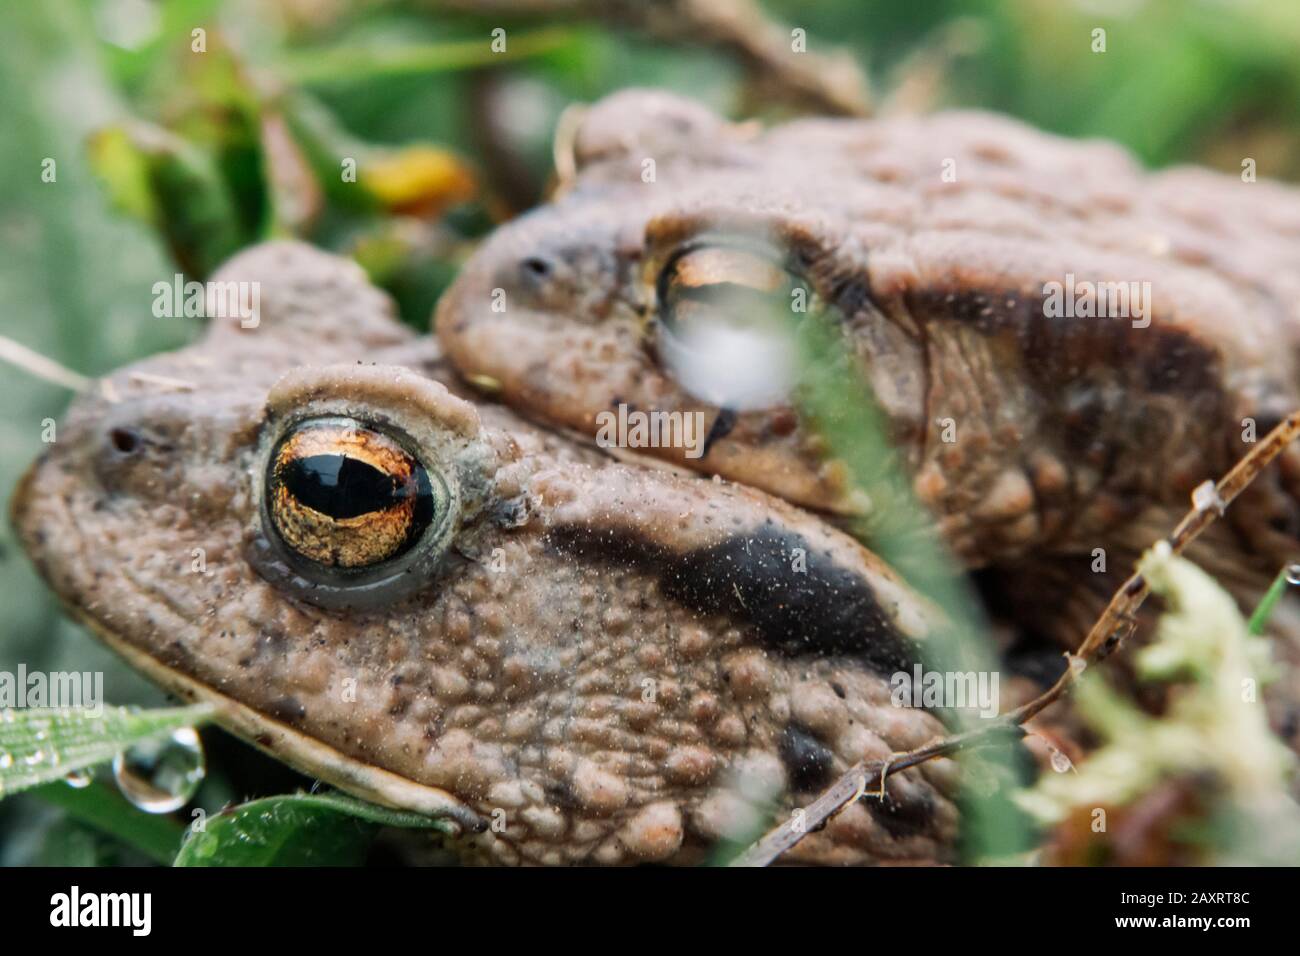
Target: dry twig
[[46, 369], [1117, 621]]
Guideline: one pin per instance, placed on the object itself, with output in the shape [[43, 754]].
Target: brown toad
[[436, 606], [1063, 345]]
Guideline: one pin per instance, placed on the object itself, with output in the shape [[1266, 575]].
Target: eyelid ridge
[[391, 386]]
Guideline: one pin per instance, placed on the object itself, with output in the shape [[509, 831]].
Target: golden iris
[[347, 496]]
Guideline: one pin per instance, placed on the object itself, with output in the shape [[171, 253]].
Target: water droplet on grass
[[1060, 762], [79, 779], [160, 776]]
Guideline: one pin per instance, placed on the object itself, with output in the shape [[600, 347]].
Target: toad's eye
[[346, 496], [712, 276], [726, 313]]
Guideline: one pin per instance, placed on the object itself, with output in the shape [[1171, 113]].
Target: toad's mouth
[[302, 752]]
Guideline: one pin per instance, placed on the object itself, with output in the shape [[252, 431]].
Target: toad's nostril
[[125, 440], [537, 267]]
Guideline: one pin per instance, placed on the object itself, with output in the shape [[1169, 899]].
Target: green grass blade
[[838, 401], [44, 745], [352, 64], [1264, 610]]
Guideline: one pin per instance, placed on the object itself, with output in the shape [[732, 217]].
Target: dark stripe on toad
[[749, 578]]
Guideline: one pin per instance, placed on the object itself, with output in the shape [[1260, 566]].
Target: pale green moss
[[1215, 725]]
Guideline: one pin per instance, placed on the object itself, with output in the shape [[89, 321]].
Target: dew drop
[[1060, 762], [79, 779], [160, 776], [737, 368], [1293, 574]]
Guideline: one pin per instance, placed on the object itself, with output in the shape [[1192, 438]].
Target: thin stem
[[352, 64]]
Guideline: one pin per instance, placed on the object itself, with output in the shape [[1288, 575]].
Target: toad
[[1061, 344], [434, 605]]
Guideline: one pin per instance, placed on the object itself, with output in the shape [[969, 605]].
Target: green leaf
[[175, 186], [302, 829], [44, 745]]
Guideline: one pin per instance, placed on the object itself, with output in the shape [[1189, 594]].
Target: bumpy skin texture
[[616, 663], [1071, 434]]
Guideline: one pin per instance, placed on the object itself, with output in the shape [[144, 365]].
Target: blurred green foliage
[[169, 159]]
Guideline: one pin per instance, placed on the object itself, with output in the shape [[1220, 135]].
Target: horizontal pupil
[[342, 487]]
